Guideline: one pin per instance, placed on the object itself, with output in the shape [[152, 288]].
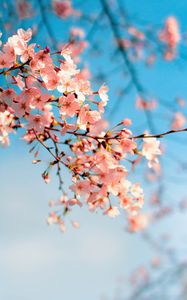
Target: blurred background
[[118, 43]]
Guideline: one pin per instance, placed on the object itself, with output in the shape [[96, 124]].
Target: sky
[[37, 261]]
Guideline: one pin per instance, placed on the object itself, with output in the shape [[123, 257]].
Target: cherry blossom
[[138, 222], [150, 150], [146, 105], [61, 114], [178, 121], [171, 36], [63, 8]]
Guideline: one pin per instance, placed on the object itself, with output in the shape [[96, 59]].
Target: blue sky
[[38, 262]]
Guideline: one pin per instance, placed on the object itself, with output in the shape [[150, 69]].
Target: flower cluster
[[145, 43], [170, 35], [53, 102], [145, 105], [63, 8], [24, 9]]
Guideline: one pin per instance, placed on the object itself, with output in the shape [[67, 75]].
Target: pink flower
[[8, 96], [27, 53], [170, 33], [40, 100], [171, 36], [104, 97], [179, 121], [146, 105], [75, 224], [125, 201], [69, 105], [82, 187], [136, 190], [25, 35], [19, 81], [98, 127], [50, 77], [5, 61], [103, 90], [63, 8], [75, 201], [40, 60], [151, 149], [19, 44], [6, 126], [77, 48], [127, 122], [24, 9], [112, 212], [38, 122], [86, 115], [21, 107], [4, 140], [127, 145], [8, 50], [137, 222], [68, 127]]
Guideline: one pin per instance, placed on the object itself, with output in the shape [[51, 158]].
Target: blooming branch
[[53, 102]]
